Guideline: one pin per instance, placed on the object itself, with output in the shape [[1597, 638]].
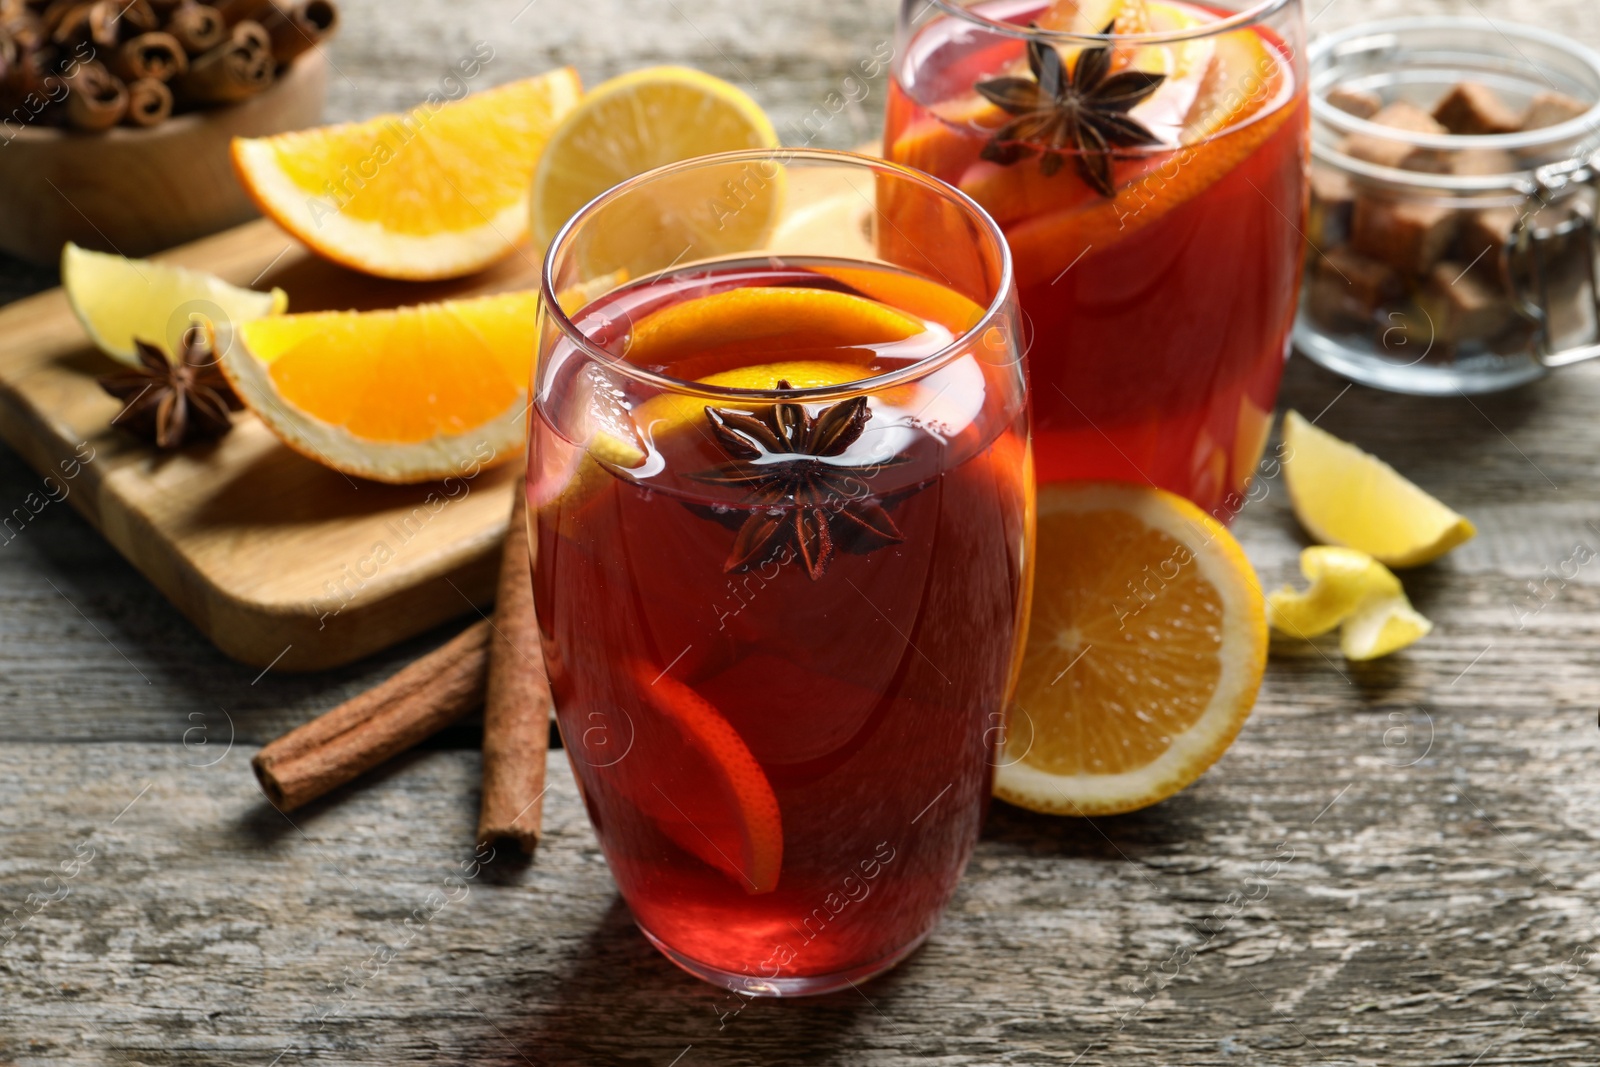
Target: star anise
[[1084, 112], [172, 401], [797, 499]]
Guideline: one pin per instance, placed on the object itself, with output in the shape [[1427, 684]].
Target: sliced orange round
[[1145, 651], [770, 318], [714, 801], [911, 293], [1226, 123], [406, 395], [437, 192]]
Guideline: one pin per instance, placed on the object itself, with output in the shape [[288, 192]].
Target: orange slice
[[913, 294], [711, 796], [771, 318], [1145, 651], [405, 395], [438, 192], [1243, 79]]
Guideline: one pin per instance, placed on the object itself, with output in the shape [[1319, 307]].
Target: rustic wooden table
[[1432, 817]]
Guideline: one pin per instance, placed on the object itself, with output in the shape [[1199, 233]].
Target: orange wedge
[[406, 395], [705, 790], [1145, 651], [770, 318], [438, 192]]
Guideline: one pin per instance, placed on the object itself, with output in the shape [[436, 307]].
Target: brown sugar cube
[[1329, 305], [1357, 102], [1371, 284], [1470, 108], [1550, 109], [1483, 234], [1462, 307], [1332, 197], [1348, 288], [1481, 161], [1410, 236], [1391, 153]]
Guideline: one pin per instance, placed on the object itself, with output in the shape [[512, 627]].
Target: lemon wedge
[[644, 120], [1342, 579], [1344, 496], [1351, 590], [1381, 627], [119, 299]]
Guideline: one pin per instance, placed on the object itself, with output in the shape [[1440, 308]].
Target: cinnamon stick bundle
[[296, 27], [516, 719], [197, 27], [234, 70], [149, 102], [368, 729], [150, 55], [211, 54], [96, 99]]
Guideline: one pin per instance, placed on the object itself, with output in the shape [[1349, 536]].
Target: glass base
[[1477, 374], [808, 986]]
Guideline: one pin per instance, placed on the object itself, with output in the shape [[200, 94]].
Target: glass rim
[[1343, 121], [1250, 16], [921, 368]]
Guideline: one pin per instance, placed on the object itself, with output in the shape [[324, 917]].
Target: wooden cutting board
[[277, 559]]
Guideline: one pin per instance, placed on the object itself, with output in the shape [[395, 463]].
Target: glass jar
[[1440, 262]]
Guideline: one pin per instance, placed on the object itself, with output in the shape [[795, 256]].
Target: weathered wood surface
[[1433, 817]]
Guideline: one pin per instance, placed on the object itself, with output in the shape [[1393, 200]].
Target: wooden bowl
[[137, 191]]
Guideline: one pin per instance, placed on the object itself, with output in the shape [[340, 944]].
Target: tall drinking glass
[[1147, 162], [781, 504]]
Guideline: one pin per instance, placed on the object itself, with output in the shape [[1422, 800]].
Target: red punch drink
[[781, 508], [1150, 181]]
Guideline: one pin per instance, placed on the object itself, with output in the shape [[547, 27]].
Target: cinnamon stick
[[235, 11], [72, 23], [298, 26], [516, 717], [234, 70], [197, 27], [96, 98], [368, 729], [137, 16], [150, 55], [149, 102]]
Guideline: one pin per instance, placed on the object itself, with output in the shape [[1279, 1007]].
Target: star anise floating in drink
[[1083, 113], [174, 401], [797, 499]]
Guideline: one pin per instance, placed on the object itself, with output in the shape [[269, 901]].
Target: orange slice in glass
[[913, 294], [1243, 79], [704, 789], [772, 318]]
